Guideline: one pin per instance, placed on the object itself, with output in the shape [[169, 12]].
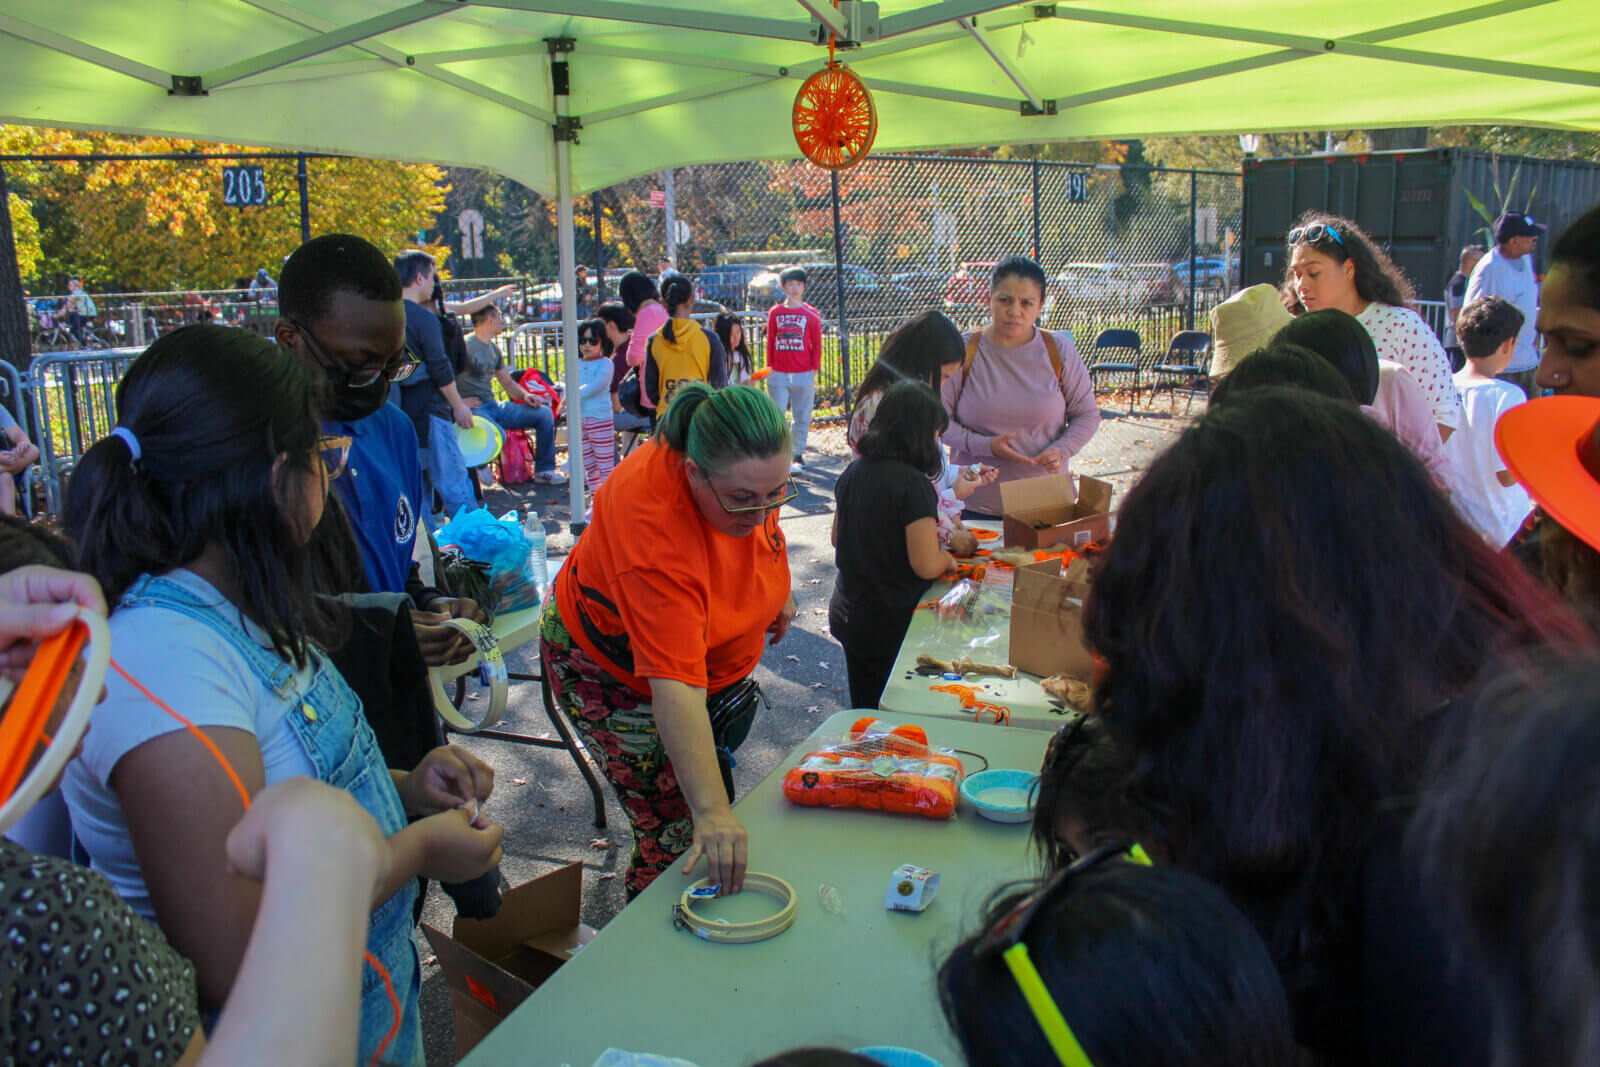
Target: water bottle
[[534, 530]]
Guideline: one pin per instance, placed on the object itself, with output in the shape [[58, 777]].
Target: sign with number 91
[[244, 186]]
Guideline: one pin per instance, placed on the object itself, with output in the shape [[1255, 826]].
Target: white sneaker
[[550, 478]]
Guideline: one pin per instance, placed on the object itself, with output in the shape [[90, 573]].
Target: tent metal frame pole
[[68, 46], [566, 247], [327, 41], [302, 178], [654, 15], [1005, 65], [838, 286]]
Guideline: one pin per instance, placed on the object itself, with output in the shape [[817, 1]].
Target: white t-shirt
[[1494, 510], [200, 675], [1512, 280], [1401, 336]]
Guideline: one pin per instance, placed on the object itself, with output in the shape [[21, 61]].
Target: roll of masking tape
[[491, 672]]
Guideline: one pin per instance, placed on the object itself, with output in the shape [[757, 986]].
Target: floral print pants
[[619, 725]]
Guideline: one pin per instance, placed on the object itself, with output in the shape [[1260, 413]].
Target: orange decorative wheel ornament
[[834, 121]]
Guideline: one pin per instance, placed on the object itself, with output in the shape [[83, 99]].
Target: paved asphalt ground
[[544, 804]]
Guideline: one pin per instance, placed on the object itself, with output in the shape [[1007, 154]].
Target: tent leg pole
[[567, 250]]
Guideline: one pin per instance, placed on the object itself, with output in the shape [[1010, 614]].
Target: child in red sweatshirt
[[794, 353]]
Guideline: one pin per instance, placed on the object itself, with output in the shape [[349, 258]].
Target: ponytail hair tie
[[127, 437]]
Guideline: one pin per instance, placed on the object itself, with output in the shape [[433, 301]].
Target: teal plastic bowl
[[1003, 794], [895, 1056]]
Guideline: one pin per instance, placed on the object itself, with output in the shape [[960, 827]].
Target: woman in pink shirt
[[1385, 390], [643, 300], [1009, 407]]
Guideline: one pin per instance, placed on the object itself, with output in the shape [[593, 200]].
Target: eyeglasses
[[396, 372], [789, 493], [589, 339], [335, 453], [1006, 939], [1316, 233]]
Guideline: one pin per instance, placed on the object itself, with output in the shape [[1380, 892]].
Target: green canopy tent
[[478, 83]]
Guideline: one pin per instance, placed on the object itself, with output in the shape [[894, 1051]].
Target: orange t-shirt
[[652, 591]]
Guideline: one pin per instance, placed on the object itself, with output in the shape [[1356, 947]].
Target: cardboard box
[[1047, 622], [492, 965], [1041, 512]]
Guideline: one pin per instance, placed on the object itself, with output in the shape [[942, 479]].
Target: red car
[[968, 288]]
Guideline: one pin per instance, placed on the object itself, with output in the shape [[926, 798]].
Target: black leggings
[[868, 658]]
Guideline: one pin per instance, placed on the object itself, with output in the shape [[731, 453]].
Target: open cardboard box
[[492, 965], [1047, 621], [1041, 512]]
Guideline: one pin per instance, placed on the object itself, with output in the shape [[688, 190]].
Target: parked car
[[1210, 274], [968, 287], [925, 287], [865, 293], [729, 283]]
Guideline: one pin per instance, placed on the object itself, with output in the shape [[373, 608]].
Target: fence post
[[599, 253], [838, 287], [303, 179], [1194, 235], [1036, 246]]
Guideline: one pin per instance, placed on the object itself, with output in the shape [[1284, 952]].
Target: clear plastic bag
[[878, 768]]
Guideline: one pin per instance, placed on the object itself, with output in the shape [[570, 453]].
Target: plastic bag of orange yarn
[[878, 769]]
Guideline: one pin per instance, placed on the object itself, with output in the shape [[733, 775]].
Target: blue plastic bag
[[503, 547]]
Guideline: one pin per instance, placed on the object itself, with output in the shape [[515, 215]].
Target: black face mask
[[350, 403]]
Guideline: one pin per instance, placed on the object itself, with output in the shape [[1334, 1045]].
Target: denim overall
[[328, 722]]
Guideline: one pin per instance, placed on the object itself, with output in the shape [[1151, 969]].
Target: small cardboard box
[[1041, 512], [1047, 622], [492, 965]]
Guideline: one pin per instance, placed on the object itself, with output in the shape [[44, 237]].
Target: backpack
[[516, 459], [1051, 349], [535, 382], [629, 395]]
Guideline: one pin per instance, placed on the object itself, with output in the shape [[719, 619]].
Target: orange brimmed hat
[[1550, 445]]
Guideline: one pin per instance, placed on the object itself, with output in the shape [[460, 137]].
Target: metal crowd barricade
[[74, 405]]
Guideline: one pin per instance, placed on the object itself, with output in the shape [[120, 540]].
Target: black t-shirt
[[876, 589]]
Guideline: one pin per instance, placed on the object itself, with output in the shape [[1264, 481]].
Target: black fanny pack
[[733, 711]]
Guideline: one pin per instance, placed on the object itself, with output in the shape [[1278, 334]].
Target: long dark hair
[[737, 354], [907, 426], [212, 410], [1147, 965], [676, 291], [1084, 777], [1509, 833], [1285, 608], [635, 287], [1338, 337], [916, 351], [1377, 277]]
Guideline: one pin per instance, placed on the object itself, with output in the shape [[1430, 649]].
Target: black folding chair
[[1188, 365], [1115, 341]]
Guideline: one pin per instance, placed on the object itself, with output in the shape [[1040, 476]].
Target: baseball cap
[[1244, 322], [1517, 224], [1552, 446]]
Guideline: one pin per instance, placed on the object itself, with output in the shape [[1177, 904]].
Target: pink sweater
[[646, 324], [1403, 408], [1011, 390]]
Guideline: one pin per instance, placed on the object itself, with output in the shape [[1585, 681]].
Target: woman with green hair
[[658, 620]]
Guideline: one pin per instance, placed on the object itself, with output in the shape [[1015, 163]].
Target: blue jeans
[[541, 420], [329, 725], [448, 467]]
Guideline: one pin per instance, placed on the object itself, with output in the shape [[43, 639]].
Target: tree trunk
[[15, 347]]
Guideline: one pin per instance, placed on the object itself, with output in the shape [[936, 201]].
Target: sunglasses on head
[[1316, 233], [1005, 938]]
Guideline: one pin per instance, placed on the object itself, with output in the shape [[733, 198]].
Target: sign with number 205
[[244, 186]]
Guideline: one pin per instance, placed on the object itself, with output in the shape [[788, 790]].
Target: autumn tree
[[156, 225]]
